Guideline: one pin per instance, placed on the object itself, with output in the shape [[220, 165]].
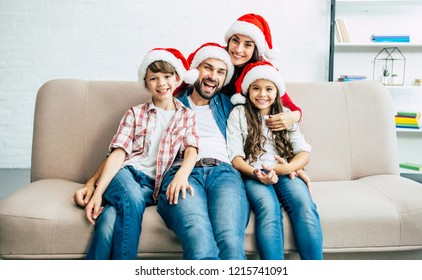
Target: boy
[[149, 137]]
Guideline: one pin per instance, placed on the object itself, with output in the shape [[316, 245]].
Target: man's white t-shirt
[[212, 143]]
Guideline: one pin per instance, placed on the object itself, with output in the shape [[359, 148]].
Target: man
[[211, 221]]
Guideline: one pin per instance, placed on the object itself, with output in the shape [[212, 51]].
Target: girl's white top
[[237, 131]]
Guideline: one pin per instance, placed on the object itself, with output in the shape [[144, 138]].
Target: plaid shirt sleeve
[[125, 133]]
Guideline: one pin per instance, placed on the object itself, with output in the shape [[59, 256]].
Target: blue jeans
[[118, 228], [211, 223], [294, 197]]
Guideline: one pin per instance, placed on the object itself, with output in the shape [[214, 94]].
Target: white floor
[[13, 179]]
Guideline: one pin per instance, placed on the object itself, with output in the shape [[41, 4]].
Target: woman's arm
[[111, 167], [83, 195]]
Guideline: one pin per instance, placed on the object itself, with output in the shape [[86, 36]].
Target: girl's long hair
[[254, 142]]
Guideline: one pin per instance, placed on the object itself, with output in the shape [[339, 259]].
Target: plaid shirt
[[134, 134]]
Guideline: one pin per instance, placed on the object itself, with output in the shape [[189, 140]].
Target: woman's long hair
[[255, 140]]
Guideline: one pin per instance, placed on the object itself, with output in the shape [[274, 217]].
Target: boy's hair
[[255, 140], [160, 66]]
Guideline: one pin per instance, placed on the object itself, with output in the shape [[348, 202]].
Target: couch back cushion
[[74, 123], [349, 125]]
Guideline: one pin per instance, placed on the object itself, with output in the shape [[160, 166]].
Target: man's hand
[[83, 195]]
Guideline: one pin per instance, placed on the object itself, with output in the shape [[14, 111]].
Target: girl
[[265, 157]]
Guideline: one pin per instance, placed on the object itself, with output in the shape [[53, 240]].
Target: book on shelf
[[412, 166], [406, 120], [349, 78], [408, 126], [342, 34], [390, 38], [409, 114]]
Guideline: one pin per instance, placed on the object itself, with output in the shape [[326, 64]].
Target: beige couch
[[367, 210]]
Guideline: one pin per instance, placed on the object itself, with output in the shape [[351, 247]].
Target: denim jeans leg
[[189, 219], [268, 227], [101, 244], [302, 211], [228, 210], [130, 192]]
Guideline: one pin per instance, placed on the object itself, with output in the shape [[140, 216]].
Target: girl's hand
[[302, 175], [176, 186], [281, 168], [93, 209], [267, 179]]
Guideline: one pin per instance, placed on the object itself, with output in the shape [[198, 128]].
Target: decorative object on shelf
[[389, 67]]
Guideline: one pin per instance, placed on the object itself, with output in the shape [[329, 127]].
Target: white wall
[[106, 40]]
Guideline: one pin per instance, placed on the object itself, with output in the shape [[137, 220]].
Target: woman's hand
[[94, 208], [282, 120], [83, 195]]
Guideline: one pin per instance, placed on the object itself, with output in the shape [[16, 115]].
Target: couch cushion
[[374, 213]]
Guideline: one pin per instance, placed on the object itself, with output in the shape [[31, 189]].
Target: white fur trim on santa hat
[[163, 55], [214, 52], [266, 72], [272, 54], [191, 76], [250, 30], [238, 98]]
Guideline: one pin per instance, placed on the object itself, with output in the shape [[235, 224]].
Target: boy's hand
[[175, 187], [93, 209], [267, 179], [83, 195]]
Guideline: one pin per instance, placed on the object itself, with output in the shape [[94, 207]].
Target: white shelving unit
[[365, 18]]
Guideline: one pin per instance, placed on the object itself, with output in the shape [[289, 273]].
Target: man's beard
[[206, 94]]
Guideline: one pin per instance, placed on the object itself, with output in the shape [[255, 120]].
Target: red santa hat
[[256, 27], [251, 73], [211, 50], [169, 55]]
